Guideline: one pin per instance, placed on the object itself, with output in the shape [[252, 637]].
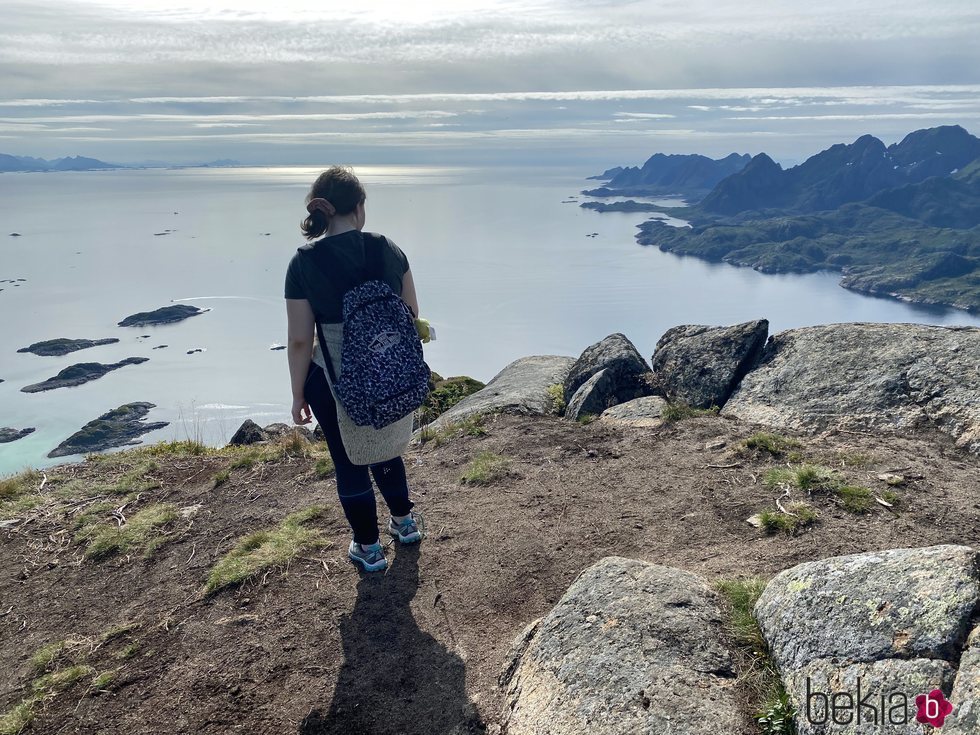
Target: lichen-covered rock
[[890, 621], [965, 719], [625, 368], [594, 396], [893, 376], [701, 365], [521, 387], [829, 693], [248, 433], [900, 603], [631, 647], [644, 412]]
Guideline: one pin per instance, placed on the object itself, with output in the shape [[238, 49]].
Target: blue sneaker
[[370, 557], [407, 531]]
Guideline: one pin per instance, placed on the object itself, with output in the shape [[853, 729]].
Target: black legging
[[353, 481]]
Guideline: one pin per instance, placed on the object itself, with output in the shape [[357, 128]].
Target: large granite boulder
[[594, 396], [521, 387], [626, 370], [965, 719], [701, 366], [631, 647], [863, 375], [890, 622]]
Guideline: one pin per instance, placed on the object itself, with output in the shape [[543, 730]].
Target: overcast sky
[[603, 82]]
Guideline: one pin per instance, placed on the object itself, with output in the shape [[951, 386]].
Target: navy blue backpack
[[383, 376]]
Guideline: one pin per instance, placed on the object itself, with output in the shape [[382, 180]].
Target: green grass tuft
[[677, 411], [774, 521], [221, 477], [18, 717], [763, 441], [485, 468], [58, 681], [324, 467], [264, 550], [817, 479], [15, 486], [47, 655], [855, 499], [141, 531], [103, 680]]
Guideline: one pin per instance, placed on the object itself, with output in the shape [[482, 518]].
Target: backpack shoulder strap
[[374, 262]]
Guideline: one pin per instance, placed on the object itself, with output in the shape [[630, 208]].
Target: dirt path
[[319, 648]]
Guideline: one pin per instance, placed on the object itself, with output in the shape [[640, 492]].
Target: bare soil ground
[[318, 647]]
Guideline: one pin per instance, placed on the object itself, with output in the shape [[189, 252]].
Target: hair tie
[[322, 205]]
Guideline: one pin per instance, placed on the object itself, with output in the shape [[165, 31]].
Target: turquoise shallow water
[[503, 269]]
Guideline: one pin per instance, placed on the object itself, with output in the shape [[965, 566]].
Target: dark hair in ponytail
[[339, 186]]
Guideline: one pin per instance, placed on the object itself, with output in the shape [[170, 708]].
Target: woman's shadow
[[396, 679]]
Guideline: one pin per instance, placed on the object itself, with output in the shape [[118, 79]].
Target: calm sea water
[[503, 269]]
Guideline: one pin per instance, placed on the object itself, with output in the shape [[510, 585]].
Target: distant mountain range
[[689, 175], [74, 163], [9, 163], [900, 220]]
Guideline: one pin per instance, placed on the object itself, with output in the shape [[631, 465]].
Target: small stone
[[715, 444], [891, 479], [755, 520]]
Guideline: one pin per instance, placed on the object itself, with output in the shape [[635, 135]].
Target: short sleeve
[[399, 256], [294, 282]]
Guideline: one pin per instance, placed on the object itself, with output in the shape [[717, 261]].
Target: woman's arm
[[299, 352], [408, 293]]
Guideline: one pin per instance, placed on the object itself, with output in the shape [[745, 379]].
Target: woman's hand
[[301, 411]]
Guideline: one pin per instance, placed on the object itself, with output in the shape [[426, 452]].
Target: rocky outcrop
[[642, 412], [594, 396], [248, 433], [863, 375], [63, 345], [80, 373], [892, 621], [631, 647], [12, 435], [163, 315], [521, 387], [701, 366], [626, 370], [116, 428], [965, 719]]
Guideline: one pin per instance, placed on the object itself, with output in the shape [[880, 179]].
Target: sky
[[595, 82]]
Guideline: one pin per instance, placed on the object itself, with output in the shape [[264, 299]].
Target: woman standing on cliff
[[318, 275]]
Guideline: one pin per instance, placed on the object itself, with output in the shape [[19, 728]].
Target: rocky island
[[163, 315], [9, 435], [119, 427], [63, 346], [80, 373]]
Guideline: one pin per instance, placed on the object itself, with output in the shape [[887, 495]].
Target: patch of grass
[[818, 479], [324, 467], [677, 411], [129, 651], [774, 521], [856, 499], [15, 486], [58, 681], [221, 477], [141, 531], [447, 392], [47, 655], [485, 468], [890, 496], [587, 418], [264, 550], [105, 679], [758, 674], [19, 507], [767, 442], [556, 392], [181, 448], [18, 717], [855, 459], [472, 425]]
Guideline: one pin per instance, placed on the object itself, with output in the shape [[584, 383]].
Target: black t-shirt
[[345, 252]]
